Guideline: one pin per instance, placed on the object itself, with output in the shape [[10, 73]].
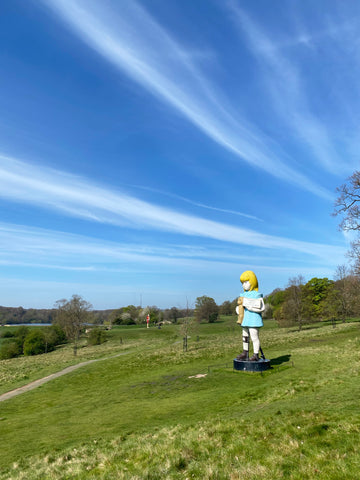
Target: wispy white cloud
[[29, 247], [38, 247], [130, 39], [288, 89], [198, 204], [33, 264], [75, 196]]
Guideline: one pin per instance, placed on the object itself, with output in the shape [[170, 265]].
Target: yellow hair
[[250, 277]]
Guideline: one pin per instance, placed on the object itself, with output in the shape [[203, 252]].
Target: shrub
[[128, 321], [60, 334], [7, 334], [53, 336], [213, 317], [21, 333], [34, 343], [96, 336], [10, 349]]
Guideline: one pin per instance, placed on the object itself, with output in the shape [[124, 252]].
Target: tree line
[[18, 315], [319, 299], [205, 307]]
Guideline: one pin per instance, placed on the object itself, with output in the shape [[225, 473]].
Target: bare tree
[[347, 205], [71, 316], [343, 290], [226, 308], [292, 309], [347, 287]]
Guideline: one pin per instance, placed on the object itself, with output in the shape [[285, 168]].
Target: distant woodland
[[20, 315], [10, 315], [300, 303]]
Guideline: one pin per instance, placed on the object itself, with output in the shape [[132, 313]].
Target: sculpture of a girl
[[249, 309]]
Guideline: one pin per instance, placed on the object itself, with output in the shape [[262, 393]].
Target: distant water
[[28, 324]]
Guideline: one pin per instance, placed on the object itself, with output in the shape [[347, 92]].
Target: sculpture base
[[245, 365]]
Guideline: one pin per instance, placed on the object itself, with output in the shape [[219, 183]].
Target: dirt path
[[41, 381]]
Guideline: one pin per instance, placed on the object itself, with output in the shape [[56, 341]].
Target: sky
[[153, 150]]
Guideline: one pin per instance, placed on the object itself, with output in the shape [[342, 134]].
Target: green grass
[[17, 372], [140, 416]]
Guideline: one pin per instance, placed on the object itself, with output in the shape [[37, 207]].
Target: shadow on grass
[[280, 360]]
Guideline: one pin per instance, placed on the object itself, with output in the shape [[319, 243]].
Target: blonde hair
[[250, 277]]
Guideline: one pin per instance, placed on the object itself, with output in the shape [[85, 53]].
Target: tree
[[347, 289], [21, 333], [291, 311], [154, 313], [124, 316], [206, 309], [332, 305], [132, 314], [347, 205], [71, 316], [314, 296], [273, 304], [226, 308], [174, 314]]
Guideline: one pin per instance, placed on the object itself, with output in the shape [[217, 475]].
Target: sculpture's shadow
[[280, 360]]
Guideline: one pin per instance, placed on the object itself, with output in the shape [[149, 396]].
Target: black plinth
[[245, 365]]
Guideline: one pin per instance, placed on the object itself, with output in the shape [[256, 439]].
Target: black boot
[[243, 356], [254, 358]]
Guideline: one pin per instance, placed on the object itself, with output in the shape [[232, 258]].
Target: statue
[[249, 309]]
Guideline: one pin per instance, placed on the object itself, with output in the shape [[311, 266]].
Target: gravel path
[[41, 381]]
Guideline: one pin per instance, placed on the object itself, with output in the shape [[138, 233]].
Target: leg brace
[[246, 339]]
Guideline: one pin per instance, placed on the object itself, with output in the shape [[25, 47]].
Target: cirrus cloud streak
[[78, 197], [128, 37]]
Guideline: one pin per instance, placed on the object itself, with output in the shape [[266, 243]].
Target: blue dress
[[252, 319]]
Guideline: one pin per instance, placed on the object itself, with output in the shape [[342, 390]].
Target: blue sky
[[151, 151]]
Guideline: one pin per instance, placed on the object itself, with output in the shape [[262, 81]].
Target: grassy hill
[[140, 412]]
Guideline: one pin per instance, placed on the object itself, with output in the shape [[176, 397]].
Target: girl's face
[[246, 285]]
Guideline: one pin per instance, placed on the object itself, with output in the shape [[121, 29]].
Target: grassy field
[[140, 412]]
